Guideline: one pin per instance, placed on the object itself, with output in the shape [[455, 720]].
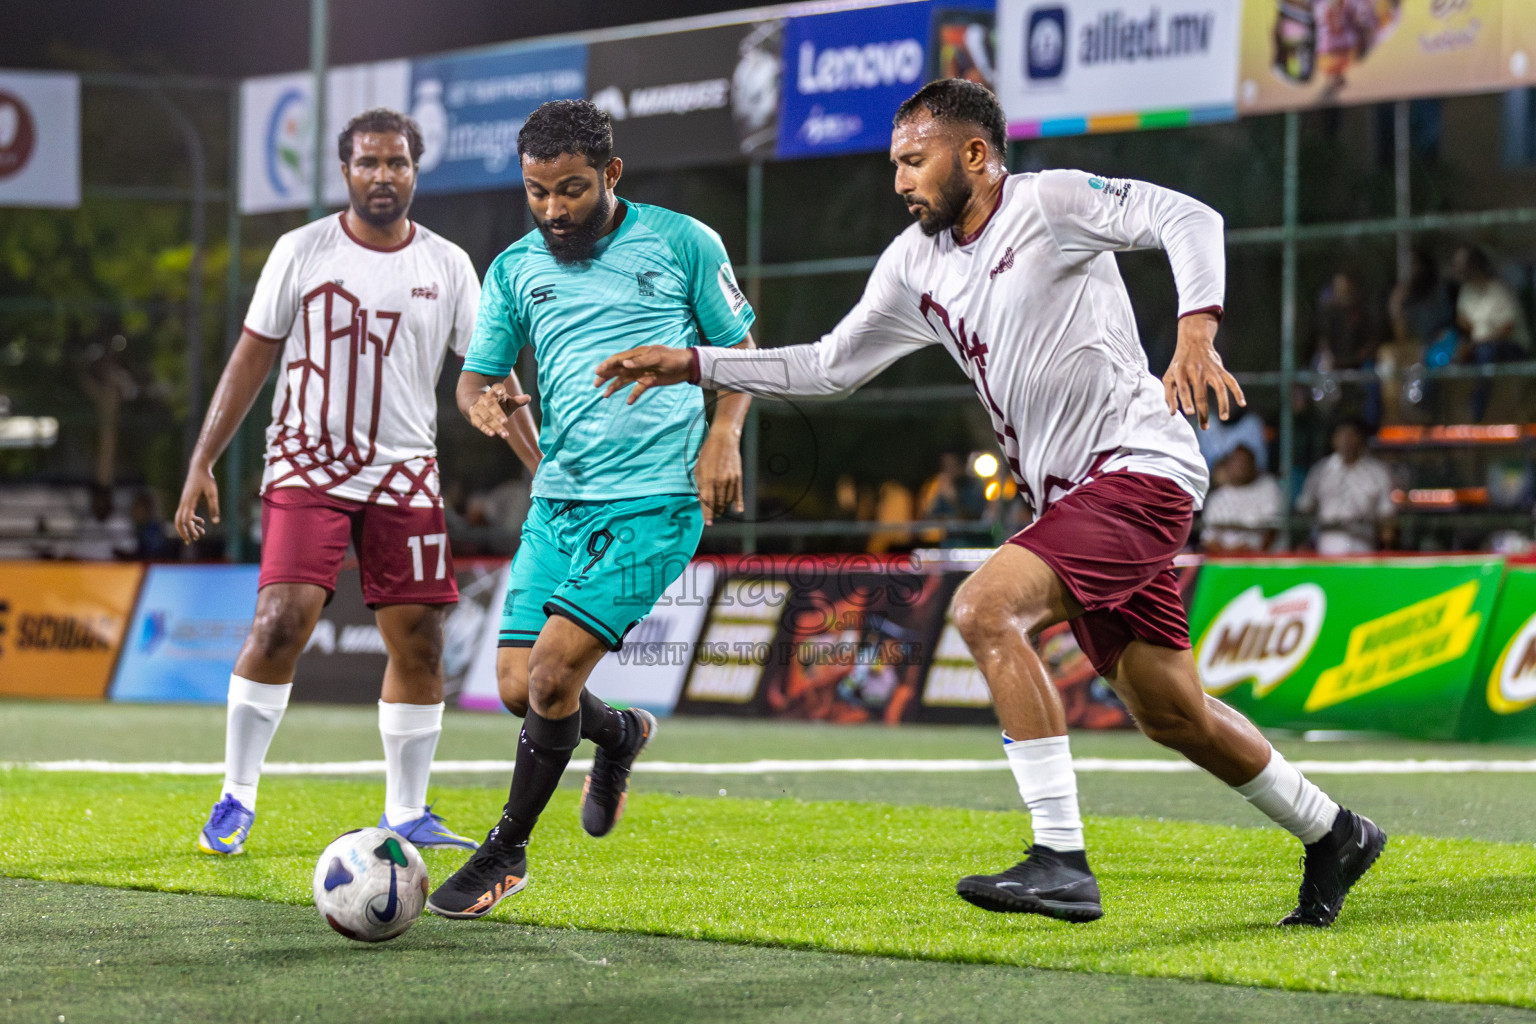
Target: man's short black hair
[[567, 126], [380, 121], [964, 104]]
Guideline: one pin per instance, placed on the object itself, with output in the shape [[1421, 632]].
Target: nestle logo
[[429, 292], [1006, 263]]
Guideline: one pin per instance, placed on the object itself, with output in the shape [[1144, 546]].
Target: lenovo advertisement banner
[[276, 131], [39, 139], [1073, 66], [1388, 646], [846, 72], [707, 96], [1298, 54], [471, 106], [61, 626], [187, 631]]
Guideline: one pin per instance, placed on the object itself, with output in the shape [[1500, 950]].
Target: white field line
[[770, 767]]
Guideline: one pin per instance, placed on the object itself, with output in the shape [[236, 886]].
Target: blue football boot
[[429, 832], [229, 823]]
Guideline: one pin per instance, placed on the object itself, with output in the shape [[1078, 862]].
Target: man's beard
[[944, 211], [370, 214], [578, 244]]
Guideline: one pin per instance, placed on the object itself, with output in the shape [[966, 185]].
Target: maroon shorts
[[402, 552], [1112, 542]]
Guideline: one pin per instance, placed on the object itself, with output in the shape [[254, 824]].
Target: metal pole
[[198, 166], [750, 429], [1291, 215], [1401, 169], [319, 28], [234, 459]]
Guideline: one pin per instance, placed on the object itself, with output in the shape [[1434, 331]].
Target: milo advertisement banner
[[1502, 704], [1388, 646]]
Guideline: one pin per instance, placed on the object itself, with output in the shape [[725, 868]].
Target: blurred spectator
[[1348, 336], [1242, 513], [1350, 493], [486, 523], [1488, 313], [105, 533], [894, 505], [1422, 314], [1220, 439], [951, 493], [151, 542]]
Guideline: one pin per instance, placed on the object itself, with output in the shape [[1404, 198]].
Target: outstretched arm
[[498, 407], [239, 384]]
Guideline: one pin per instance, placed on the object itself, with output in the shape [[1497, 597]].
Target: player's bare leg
[[1012, 596], [1161, 687], [558, 665], [259, 689], [620, 736], [411, 720]]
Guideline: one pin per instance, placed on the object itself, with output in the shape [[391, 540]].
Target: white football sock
[[1290, 799], [1043, 770], [410, 733], [255, 710]]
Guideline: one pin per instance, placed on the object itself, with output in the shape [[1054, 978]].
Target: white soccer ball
[[370, 884]]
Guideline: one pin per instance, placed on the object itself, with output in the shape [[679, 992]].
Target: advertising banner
[[1388, 646], [1298, 54], [187, 630], [276, 147], [61, 626], [39, 139], [846, 72], [1502, 704], [1066, 67], [646, 672], [707, 96], [471, 106]]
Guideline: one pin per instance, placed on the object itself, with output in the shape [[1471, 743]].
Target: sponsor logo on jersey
[[871, 66], [1512, 683], [1261, 639], [18, 134], [1113, 187], [729, 289], [1045, 43], [428, 292], [645, 279], [542, 294], [1401, 644], [1006, 263]]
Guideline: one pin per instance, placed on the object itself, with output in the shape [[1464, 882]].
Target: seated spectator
[[1242, 514], [1221, 437], [152, 543], [1421, 313], [1489, 314], [951, 493], [1350, 493], [1346, 331]]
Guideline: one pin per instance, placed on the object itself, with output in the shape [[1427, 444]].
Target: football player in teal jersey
[[622, 492]]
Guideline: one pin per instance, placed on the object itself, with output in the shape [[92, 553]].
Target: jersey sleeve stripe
[[261, 337]]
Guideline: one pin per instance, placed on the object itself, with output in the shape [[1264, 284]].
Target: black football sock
[[600, 723], [543, 751]]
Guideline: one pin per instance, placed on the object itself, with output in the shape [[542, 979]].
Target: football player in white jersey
[[361, 307], [1015, 276]]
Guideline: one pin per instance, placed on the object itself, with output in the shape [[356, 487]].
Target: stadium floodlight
[[28, 431], [984, 465]]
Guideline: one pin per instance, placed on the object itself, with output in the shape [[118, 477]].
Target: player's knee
[[279, 630], [512, 687], [981, 619], [550, 677], [1174, 726]]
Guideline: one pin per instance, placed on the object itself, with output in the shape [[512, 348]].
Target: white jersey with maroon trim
[[1033, 309], [363, 331]]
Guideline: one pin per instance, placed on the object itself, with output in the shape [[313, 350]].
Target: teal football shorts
[[600, 564]]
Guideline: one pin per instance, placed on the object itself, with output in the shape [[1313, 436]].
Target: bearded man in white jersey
[[1014, 275], [361, 307]]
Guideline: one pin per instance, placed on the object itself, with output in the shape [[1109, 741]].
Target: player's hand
[[493, 408], [1197, 369], [645, 367], [719, 476], [200, 486]]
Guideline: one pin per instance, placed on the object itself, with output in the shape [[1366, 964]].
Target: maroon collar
[[409, 237], [998, 205]]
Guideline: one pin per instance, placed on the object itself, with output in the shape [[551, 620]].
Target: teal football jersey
[[660, 278]]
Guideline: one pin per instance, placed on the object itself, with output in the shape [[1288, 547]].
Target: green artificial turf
[[1437, 919]]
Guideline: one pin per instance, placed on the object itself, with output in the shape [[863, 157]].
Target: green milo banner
[[1502, 704], [1380, 645]]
